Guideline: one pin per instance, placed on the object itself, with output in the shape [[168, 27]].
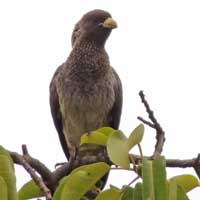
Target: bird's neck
[[89, 46], [88, 60], [89, 52]]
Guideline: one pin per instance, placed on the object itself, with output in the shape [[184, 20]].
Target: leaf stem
[[121, 168], [140, 149], [135, 179]]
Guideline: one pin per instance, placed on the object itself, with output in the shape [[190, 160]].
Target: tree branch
[[52, 178], [160, 134], [146, 122], [44, 171], [68, 167], [49, 179], [160, 139], [181, 163], [197, 165], [40, 183]]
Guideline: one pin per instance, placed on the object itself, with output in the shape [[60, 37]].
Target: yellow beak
[[110, 23]]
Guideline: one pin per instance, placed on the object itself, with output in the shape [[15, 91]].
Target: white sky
[[156, 48]]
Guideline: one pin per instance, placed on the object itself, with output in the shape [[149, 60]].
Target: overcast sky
[[156, 48]]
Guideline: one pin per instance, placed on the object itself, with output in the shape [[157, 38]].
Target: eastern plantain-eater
[[85, 91]]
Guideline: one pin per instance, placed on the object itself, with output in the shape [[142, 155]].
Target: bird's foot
[[59, 164], [88, 133]]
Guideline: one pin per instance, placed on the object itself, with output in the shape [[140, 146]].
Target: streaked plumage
[[85, 91]]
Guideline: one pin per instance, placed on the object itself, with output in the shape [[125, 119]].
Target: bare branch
[[24, 149], [64, 170], [160, 134], [146, 122], [51, 179], [184, 163], [44, 172], [135, 179], [22, 161], [197, 165]]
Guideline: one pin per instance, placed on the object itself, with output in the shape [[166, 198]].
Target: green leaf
[[147, 175], [181, 194], [177, 192], [107, 131], [138, 192], [94, 138], [100, 136], [159, 178], [108, 194], [82, 179], [136, 136], [117, 149], [128, 193], [5, 153], [59, 189], [3, 189], [7, 173], [186, 181], [93, 169], [29, 190], [172, 190]]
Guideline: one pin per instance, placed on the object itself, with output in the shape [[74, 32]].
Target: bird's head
[[95, 26]]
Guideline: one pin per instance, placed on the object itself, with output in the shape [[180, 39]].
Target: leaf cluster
[[150, 182]]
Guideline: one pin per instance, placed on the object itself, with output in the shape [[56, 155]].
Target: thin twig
[[121, 168], [140, 150], [44, 172], [197, 165], [24, 149], [160, 134], [22, 161], [194, 162], [133, 162], [146, 122], [135, 179]]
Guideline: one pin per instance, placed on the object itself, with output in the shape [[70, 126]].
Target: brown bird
[[85, 91]]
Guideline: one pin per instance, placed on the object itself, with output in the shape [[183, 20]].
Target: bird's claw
[[59, 164]]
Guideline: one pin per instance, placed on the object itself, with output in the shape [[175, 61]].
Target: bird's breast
[[85, 107], [91, 95], [85, 104], [87, 101]]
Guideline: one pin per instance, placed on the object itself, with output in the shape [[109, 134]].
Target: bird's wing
[[56, 113], [115, 113]]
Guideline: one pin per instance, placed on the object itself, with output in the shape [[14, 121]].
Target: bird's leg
[[73, 156], [73, 153]]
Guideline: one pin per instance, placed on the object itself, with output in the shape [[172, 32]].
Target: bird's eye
[[100, 24]]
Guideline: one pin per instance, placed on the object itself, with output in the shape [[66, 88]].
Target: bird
[[85, 91]]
